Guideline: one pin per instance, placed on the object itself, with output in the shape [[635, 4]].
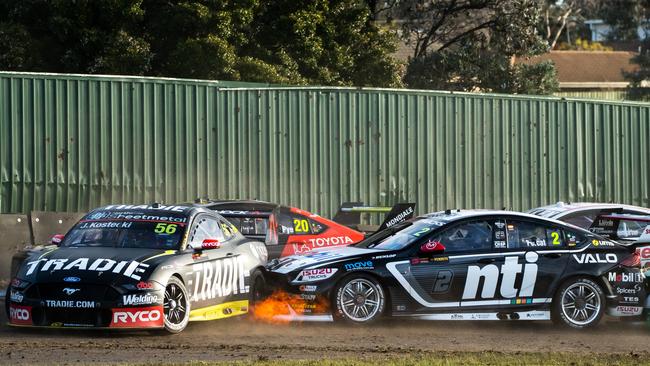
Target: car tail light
[[632, 261]]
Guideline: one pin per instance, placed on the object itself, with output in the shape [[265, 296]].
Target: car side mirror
[[57, 239], [432, 247], [210, 244]]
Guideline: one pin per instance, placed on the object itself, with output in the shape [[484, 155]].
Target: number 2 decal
[[556, 237]]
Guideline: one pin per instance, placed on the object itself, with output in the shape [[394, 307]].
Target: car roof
[[236, 205], [455, 215], [561, 209], [154, 208]]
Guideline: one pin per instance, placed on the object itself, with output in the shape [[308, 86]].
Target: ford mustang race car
[[469, 265], [289, 230], [139, 266]]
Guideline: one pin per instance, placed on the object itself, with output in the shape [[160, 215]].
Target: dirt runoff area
[[243, 339]]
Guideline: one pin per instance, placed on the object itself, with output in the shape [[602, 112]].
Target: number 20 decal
[[300, 226]]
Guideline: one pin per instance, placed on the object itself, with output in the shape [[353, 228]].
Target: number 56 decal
[[165, 228]]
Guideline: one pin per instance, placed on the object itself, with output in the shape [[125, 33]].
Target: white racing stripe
[[522, 315]]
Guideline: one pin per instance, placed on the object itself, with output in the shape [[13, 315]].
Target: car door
[[449, 280], [206, 281], [538, 255]]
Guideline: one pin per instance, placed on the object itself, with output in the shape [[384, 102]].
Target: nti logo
[[508, 274]]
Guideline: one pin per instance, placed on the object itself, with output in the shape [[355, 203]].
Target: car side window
[[581, 219], [575, 239], [206, 227], [467, 237], [228, 229], [526, 235]]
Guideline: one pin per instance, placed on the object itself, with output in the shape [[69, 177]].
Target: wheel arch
[[599, 280]]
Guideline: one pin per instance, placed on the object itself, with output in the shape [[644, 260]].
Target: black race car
[[470, 265], [146, 266]]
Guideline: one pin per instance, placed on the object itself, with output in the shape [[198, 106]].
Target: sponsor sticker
[[20, 315], [131, 269], [308, 297], [359, 265], [308, 288], [140, 299], [137, 317], [318, 274], [623, 310], [16, 296], [386, 256], [79, 304], [506, 274], [595, 258], [625, 277]]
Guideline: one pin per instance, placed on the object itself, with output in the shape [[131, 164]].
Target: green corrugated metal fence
[[71, 143]]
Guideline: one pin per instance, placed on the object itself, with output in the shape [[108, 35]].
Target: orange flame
[[282, 307]]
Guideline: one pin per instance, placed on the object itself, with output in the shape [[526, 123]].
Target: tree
[[623, 17], [84, 36], [639, 88], [330, 42], [472, 45]]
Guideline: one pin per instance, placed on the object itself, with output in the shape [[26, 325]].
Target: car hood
[[92, 265], [320, 257]]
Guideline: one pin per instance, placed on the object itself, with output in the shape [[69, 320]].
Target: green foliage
[[330, 42], [584, 45], [640, 79], [624, 17], [480, 60]]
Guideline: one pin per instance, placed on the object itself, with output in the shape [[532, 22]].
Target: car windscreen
[[403, 238], [128, 230]]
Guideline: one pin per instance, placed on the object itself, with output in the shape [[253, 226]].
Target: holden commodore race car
[[469, 265], [139, 266], [582, 214], [289, 230]]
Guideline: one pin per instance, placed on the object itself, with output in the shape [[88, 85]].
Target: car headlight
[[314, 275]]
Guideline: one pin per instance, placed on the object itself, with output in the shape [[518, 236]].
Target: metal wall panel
[[70, 143]]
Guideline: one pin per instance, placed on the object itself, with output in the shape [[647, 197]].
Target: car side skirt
[[221, 311]]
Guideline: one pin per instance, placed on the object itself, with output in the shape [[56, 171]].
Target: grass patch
[[457, 358]]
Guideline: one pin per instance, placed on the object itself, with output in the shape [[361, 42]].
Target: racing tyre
[[258, 287], [176, 306], [579, 303], [359, 299]]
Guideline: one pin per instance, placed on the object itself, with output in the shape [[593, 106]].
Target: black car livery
[[471, 265], [139, 266]]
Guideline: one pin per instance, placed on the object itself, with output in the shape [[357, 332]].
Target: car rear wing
[[349, 214]]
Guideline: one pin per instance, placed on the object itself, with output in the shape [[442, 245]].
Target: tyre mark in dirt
[[234, 339]]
